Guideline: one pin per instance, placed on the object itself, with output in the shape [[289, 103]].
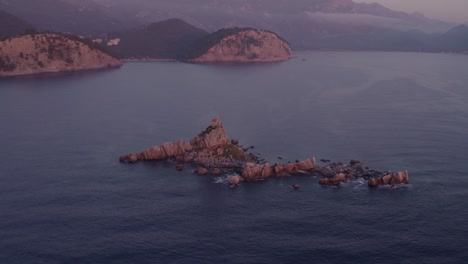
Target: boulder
[[336, 180], [216, 171], [324, 181], [389, 179], [291, 168], [201, 171], [180, 166], [132, 158], [253, 171], [234, 180]]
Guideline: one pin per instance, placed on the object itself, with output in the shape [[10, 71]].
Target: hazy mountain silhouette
[[165, 39], [306, 24], [11, 25], [82, 17]]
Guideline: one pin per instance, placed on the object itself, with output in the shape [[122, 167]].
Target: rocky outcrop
[[214, 153], [252, 171], [241, 45], [212, 148], [336, 173], [390, 179], [51, 52]]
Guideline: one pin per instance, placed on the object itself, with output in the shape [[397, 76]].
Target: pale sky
[[449, 10]]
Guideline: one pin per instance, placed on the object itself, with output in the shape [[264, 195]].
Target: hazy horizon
[[448, 10]]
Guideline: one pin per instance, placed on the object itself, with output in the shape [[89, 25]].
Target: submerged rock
[[201, 171], [180, 166]]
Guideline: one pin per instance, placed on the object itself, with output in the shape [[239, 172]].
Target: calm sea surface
[[65, 198]]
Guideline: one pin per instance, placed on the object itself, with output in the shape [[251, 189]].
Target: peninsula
[[240, 45], [51, 52]]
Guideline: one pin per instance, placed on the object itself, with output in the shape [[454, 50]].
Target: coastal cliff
[[51, 52], [240, 45]]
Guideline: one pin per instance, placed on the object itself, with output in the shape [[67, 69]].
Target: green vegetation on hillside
[[166, 40], [203, 45]]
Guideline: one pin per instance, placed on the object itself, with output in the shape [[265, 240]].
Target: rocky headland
[[240, 45], [51, 52], [213, 152]]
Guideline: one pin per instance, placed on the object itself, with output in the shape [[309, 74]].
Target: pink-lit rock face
[[253, 171], [212, 148], [401, 177]]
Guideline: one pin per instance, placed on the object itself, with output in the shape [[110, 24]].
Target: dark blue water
[[64, 198]]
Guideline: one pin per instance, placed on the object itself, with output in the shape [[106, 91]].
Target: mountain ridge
[[12, 25]]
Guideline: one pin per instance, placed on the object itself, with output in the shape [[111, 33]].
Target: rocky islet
[[213, 152]]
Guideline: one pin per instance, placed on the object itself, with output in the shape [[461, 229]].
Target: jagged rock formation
[[252, 171], [212, 149], [240, 45], [390, 179], [51, 52]]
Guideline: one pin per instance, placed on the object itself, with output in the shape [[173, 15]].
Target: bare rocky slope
[[51, 52], [240, 45]]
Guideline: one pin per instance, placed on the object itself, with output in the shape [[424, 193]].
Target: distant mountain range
[[82, 17], [306, 24]]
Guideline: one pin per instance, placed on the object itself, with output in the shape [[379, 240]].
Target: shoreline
[[145, 60]]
